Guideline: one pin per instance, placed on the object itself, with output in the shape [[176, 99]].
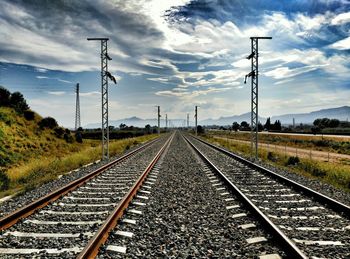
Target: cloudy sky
[[176, 54]]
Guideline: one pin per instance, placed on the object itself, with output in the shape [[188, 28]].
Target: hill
[[35, 150], [22, 139], [340, 113], [222, 121]]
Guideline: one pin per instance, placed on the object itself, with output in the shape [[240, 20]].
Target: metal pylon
[[104, 96], [104, 93], [254, 99], [254, 56], [77, 108]]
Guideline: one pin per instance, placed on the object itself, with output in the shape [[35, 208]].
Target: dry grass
[[42, 169], [338, 176], [326, 144]]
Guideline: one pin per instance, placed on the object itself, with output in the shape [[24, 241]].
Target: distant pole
[[166, 122], [77, 108], [188, 120], [104, 95], [158, 119], [196, 117], [254, 93]]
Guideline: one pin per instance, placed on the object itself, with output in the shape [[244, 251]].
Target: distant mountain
[[340, 113], [230, 119]]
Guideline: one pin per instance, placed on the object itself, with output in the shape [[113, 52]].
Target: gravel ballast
[[317, 230], [187, 216]]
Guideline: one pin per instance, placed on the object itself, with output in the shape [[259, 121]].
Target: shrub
[[271, 157], [68, 138], [4, 96], [318, 172], [18, 102], [29, 115], [4, 181], [48, 122], [59, 132], [293, 160], [78, 137]]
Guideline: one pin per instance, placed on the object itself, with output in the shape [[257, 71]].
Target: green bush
[[68, 138], [293, 160], [29, 115], [18, 102], [271, 157], [59, 132], [48, 122], [4, 96], [78, 137]]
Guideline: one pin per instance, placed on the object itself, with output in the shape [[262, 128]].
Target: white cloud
[[93, 93], [341, 19], [56, 92], [343, 44]]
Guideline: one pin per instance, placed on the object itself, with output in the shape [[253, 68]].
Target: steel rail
[[25, 211], [92, 248], [332, 204], [288, 245]]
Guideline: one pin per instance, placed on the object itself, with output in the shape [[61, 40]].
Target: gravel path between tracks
[[315, 184], [24, 198], [186, 217]]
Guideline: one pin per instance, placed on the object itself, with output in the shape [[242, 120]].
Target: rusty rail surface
[[92, 248]]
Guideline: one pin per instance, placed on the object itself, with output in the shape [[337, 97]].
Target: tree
[[277, 126], [122, 126], [235, 126], [315, 130], [334, 123], [260, 126], [148, 129], [244, 126], [267, 125], [18, 102], [4, 96], [200, 129]]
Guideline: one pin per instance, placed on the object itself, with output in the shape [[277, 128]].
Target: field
[[338, 176]]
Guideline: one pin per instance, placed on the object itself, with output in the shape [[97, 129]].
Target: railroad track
[[306, 223], [188, 214], [76, 218]]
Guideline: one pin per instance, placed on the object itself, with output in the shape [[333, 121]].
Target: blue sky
[[176, 54]]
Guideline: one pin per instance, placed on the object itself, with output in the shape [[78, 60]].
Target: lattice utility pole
[[166, 122], [196, 116], [254, 91], [104, 94], [77, 108], [158, 116]]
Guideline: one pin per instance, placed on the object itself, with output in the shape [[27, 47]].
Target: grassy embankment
[[338, 176], [31, 156]]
